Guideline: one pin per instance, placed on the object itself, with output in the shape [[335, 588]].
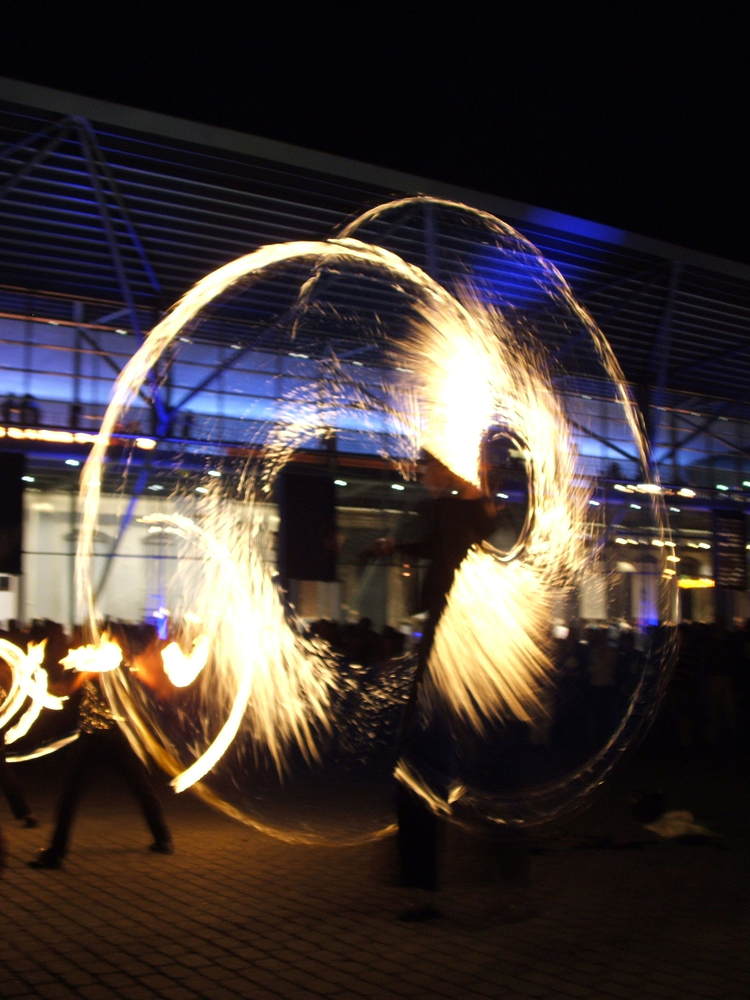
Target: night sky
[[647, 136]]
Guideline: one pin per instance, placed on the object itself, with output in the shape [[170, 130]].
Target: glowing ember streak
[[182, 668], [29, 682], [95, 658], [43, 751]]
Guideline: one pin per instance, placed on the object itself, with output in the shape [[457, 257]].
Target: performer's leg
[[417, 840], [86, 753], [13, 791], [137, 779]]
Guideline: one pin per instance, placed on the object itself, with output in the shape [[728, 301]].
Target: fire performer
[[455, 517], [101, 741]]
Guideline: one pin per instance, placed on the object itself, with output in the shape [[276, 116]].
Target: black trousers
[[11, 788], [427, 745], [108, 748]]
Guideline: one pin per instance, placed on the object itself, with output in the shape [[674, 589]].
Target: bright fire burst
[[460, 371]]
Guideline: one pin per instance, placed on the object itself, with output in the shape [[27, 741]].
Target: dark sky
[[649, 138]]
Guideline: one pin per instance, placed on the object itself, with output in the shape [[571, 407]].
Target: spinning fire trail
[[461, 371]]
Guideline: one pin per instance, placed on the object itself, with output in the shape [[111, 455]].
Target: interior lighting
[[673, 559], [340, 482], [156, 487], [636, 506], [214, 473], [675, 510], [28, 479], [47, 434], [623, 489], [147, 444], [398, 486], [746, 482], [685, 492], [454, 493], [621, 541], [722, 487], [501, 496], [594, 503], [695, 583], [652, 488], [72, 461], [657, 542], [201, 489]]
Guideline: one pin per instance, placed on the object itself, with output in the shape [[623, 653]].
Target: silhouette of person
[[101, 741], [456, 516]]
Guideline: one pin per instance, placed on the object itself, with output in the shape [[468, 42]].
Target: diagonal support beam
[[605, 441], [41, 154], [85, 135], [138, 488], [85, 125], [699, 429], [31, 140]]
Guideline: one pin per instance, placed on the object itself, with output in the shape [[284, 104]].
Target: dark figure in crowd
[[29, 411], [10, 410], [455, 517], [101, 741]]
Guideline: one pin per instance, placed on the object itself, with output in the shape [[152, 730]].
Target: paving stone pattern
[[233, 914]]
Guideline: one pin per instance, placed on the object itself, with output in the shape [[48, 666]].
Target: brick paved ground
[[234, 914]]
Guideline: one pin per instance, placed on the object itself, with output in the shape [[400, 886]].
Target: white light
[[675, 510], [623, 489], [397, 486], [685, 492], [454, 493], [652, 488], [746, 482], [359, 364], [214, 473], [502, 496], [156, 487], [186, 340], [594, 503], [147, 444], [703, 545], [340, 482], [123, 333], [201, 489], [657, 542], [636, 506], [28, 479], [673, 559], [236, 347], [722, 487], [72, 461], [296, 354], [621, 541]]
